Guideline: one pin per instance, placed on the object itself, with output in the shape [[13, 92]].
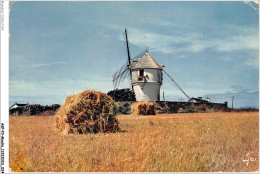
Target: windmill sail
[[120, 75], [129, 58], [124, 71], [127, 48]]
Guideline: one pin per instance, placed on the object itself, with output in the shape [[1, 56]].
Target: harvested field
[[209, 142]]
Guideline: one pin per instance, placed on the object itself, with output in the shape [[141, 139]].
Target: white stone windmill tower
[[146, 76]]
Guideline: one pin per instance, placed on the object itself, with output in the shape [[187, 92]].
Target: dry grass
[[163, 143]]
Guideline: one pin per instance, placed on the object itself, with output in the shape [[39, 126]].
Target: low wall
[[177, 107], [189, 107]]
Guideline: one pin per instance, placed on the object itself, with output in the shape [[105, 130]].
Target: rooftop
[[145, 62]]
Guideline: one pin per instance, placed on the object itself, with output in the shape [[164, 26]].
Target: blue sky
[[61, 48]]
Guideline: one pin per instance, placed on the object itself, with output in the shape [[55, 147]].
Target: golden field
[[204, 142]]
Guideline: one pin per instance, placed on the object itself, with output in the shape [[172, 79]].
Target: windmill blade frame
[[120, 70], [129, 58], [121, 74], [122, 77], [118, 77]]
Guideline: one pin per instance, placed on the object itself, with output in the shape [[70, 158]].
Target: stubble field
[[210, 142]]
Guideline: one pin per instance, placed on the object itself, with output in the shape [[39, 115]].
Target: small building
[[199, 100], [18, 108], [18, 105]]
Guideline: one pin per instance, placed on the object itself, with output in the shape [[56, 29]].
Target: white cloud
[[232, 38], [236, 38], [241, 38], [58, 87], [156, 42], [167, 23], [193, 42], [253, 62], [47, 64], [235, 43]]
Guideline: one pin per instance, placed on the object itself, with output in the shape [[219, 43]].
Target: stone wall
[[188, 107], [169, 107]]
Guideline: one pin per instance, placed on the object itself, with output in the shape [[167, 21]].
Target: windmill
[[145, 76]]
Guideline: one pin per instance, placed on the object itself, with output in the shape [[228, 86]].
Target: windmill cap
[[145, 62]]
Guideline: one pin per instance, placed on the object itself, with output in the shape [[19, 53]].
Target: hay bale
[[87, 112], [143, 108]]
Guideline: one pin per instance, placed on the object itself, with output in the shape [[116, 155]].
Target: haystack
[[87, 112], [143, 108]]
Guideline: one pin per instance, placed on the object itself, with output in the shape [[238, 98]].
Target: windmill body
[[146, 78]]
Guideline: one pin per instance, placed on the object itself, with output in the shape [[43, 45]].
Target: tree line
[[34, 109]]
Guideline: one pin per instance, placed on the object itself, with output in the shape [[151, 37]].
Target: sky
[[61, 48]]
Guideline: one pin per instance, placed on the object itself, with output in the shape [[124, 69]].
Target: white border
[[5, 80], [4, 72]]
